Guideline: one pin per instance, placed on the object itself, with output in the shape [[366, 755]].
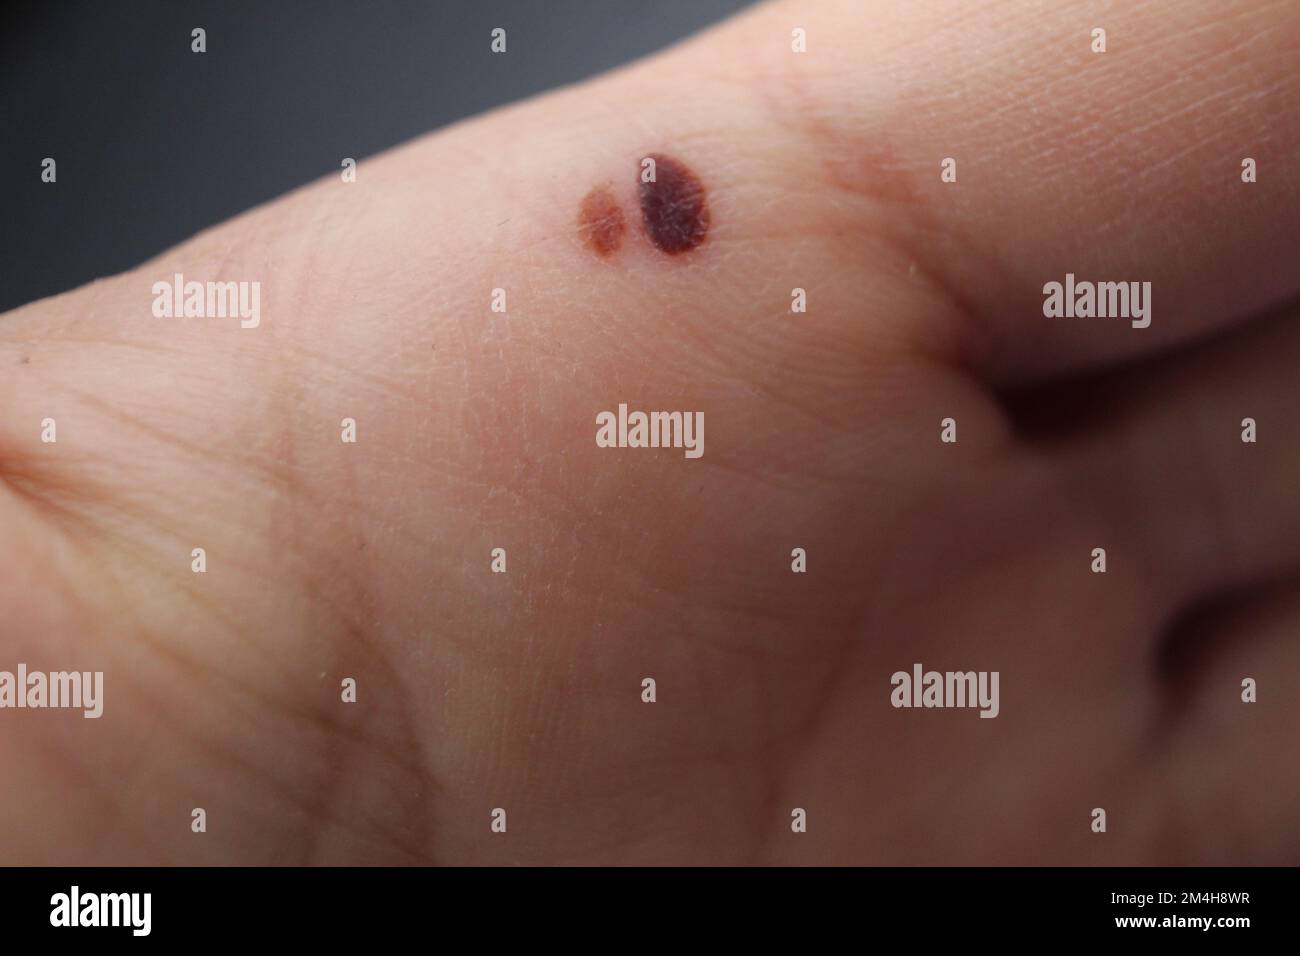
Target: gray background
[[154, 142]]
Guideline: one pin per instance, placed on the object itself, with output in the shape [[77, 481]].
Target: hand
[[475, 430]]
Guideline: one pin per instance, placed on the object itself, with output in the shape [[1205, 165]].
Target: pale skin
[[476, 431]]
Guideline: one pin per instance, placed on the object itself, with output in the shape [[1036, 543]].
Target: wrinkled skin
[[523, 691]]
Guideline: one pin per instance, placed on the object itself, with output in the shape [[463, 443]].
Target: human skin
[[476, 430]]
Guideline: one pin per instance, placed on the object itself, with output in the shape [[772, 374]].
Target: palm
[[328, 560]]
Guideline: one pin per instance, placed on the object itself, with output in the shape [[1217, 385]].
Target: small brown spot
[[600, 222], [674, 207], [24, 360]]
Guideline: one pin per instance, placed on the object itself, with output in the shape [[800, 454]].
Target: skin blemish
[[674, 207], [601, 223]]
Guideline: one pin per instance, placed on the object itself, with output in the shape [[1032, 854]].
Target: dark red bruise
[[674, 207]]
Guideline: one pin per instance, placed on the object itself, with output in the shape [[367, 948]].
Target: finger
[[1198, 462], [1233, 709], [1123, 165]]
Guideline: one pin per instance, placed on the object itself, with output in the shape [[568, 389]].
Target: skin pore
[[522, 690]]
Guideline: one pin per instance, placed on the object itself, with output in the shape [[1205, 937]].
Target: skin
[[522, 690]]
